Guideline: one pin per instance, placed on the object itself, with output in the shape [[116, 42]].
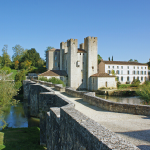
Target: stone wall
[[63, 127], [75, 93], [117, 107]]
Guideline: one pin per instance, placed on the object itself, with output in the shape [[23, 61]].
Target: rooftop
[[124, 63], [54, 73], [102, 75]]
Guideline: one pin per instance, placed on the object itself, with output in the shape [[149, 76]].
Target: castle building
[[126, 72], [80, 63]]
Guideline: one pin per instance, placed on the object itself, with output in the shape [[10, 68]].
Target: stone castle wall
[[63, 127]]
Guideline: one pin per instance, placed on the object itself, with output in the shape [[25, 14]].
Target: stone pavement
[[133, 128]]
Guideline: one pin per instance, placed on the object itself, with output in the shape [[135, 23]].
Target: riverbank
[[117, 92], [21, 138]]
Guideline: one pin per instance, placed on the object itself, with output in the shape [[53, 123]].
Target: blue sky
[[122, 26]]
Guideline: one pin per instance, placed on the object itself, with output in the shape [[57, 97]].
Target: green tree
[[108, 58], [144, 92], [0, 62], [5, 57], [18, 53], [7, 92], [99, 58], [33, 56], [112, 59], [148, 64]]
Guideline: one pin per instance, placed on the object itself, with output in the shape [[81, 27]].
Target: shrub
[[7, 70], [53, 80], [135, 83], [118, 84], [20, 76], [144, 92], [125, 85]]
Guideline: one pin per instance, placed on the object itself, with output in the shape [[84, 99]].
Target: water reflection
[[18, 116], [129, 100]]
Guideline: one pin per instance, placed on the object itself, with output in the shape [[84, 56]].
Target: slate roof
[[124, 63], [54, 73], [102, 75]]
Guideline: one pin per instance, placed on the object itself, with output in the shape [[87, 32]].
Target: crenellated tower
[[90, 45]]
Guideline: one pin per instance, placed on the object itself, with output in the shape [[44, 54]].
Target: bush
[[7, 70], [125, 85], [118, 84], [144, 92], [53, 80], [135, 83], [20, 76]]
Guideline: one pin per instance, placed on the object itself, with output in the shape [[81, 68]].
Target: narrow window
[[121, 78], [141, 78]]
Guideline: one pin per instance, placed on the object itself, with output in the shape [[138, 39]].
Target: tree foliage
[[5, 57], [16, 64], [99, 58], [136, 83], [33, 56], [7, 70], [7, 91], [131, 60], [26, 64], [144, 92], [18, 53]]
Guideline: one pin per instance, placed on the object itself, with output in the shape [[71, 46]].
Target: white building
[[79, 63], [125, 71]]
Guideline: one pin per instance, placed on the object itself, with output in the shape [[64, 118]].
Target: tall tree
[[99, 58], [33, 56], [18, 53], [5, 57]]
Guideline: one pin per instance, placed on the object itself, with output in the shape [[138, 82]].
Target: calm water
[[17, 116], [129, 100]]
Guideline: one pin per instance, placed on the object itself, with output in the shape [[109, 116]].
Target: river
[[129, 100], [17, 116]]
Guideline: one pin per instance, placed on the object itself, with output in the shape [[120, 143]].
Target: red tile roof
[[54, 49], [81, 50], [54, 73], [102, 75], [124, 63]]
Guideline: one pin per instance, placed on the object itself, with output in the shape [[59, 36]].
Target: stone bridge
[[69, 121]]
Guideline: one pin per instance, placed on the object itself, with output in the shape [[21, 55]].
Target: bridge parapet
[[63, 127]]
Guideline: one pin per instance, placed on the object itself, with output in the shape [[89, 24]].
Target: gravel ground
[[133, 128]]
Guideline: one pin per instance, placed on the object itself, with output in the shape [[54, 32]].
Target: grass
[[20, 139], [14, 73]]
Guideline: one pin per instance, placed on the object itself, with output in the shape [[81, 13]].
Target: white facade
[[127, 73], [101, 82]]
